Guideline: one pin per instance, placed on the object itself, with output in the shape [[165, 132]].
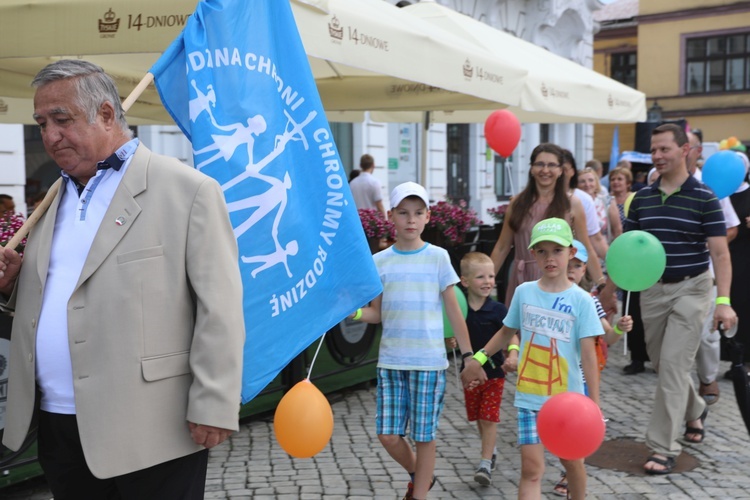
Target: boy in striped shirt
[[417, 279]]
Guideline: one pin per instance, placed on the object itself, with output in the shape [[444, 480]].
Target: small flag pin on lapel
[[120, 221]]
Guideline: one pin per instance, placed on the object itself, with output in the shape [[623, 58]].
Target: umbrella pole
[[52, 192], [423, 170], [509, 173]]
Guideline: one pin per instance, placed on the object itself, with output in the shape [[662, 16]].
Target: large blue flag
[[238, 83]]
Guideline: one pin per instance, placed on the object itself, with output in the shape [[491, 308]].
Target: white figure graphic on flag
[[204, 102], [226, 145], [276, 196]]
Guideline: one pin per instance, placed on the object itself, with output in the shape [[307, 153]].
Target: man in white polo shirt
[[366, 188]]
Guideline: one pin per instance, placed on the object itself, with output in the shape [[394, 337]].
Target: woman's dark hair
[[522, 203], [568, 158]]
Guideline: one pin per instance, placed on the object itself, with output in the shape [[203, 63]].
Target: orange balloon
[[303, 422]]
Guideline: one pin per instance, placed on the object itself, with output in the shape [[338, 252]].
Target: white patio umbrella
[[365, 54], [555, 90]]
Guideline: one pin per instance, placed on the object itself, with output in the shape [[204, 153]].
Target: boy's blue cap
[[581, 253]]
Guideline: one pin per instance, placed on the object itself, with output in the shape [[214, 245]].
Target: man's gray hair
[[93, 87]]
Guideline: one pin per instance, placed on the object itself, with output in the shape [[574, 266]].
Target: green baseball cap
[[554, 230]]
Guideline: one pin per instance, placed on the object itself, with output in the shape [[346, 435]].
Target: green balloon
[[636, 260], [447, 329]]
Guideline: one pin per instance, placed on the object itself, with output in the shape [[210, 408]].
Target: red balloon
[[502, 130], [570, 425]]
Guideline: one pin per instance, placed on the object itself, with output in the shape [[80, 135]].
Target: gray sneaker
[[483, 476], [494, 459]]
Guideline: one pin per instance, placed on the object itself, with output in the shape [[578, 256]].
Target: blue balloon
[[723, 172]]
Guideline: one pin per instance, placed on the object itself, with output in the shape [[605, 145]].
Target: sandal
[[668, 463], [709, 392], [695, 431], [561, 488]]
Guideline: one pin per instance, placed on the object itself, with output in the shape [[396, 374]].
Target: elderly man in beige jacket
[[128, 330]]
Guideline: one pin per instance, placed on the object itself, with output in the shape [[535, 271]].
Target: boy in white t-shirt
[[417, 279], [558, 325]]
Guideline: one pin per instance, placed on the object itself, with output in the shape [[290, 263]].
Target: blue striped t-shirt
[[411, 309], [682, 222]]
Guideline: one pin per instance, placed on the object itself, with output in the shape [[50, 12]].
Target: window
[[717, 64], [503, 181], [343, 137], [544, 132], [458, 162], [623, 68]]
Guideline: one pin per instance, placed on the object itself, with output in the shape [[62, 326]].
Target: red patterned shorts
[[483, 403]]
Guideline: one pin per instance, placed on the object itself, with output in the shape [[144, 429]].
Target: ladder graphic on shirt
[[533, 354]]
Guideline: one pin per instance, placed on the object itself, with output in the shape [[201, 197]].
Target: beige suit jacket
[[155, 323]]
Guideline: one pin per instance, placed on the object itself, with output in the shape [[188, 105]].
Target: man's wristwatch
[[466, 354]]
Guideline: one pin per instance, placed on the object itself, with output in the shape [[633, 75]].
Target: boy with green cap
[[558, 326]]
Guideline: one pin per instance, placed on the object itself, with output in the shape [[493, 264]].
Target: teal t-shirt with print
[[551, 326]]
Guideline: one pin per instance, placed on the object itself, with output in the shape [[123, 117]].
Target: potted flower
[[377, 227], [449, 222], [10, 223], [498, 213]]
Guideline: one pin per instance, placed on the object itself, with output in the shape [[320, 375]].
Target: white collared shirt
[[78, 220]]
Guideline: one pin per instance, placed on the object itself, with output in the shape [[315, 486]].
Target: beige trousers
[[673, 316], [709, 353]]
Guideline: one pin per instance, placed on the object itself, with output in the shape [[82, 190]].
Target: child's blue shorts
[[527, 433], [410, 397]]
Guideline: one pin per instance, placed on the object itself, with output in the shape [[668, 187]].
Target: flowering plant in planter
[[10, 223], [498, 213], [374, 224], [452, 220]]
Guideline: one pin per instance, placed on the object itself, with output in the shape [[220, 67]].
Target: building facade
[[459, 164], [691, 58], [616, 55]]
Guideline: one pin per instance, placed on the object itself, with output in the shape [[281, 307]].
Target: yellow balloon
[[626, 206], [303, 422]]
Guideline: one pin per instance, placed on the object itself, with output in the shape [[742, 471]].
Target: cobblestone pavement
[[252, 465], [355, 466]]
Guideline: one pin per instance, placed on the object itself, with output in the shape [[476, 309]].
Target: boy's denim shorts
[[410, 398]]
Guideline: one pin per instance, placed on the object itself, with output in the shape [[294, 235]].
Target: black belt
[[678, 279]]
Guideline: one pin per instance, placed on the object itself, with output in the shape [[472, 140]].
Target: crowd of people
[[559, 228], [173, 357]]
